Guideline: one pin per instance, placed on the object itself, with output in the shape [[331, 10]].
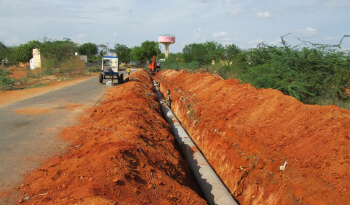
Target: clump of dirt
[[267, 147], [122, 152]]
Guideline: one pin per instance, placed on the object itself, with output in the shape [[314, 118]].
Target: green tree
[[203, 53], [194, 52], [150, 49], [89, 49], [24, 52], [3, 51], [58, 52], [231, 51], [102, 50], [137, 54], [214, 51], [123, 52], [146, 51]]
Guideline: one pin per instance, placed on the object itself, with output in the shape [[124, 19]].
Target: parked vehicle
[[110, 69]]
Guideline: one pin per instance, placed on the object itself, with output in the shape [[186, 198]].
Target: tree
[[58, 52], [89, 49], [24, 52], [150, 49], [146, 51], [203, 53], [214, 51], [137, 54], [102, 50], [3, 51], [231, 51], [123, 52]]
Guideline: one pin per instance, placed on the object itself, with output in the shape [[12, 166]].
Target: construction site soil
[[122, 152], [268, 148]]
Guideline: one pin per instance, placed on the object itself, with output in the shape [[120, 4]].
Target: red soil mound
[[102, 168], [248, 133]]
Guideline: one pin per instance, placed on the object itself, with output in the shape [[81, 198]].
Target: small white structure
[[35, 62], [31, 64]]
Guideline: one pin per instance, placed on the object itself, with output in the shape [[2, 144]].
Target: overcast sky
[[245, 23]]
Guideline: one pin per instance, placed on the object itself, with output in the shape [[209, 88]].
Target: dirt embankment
[[248, 134], [102, 168]]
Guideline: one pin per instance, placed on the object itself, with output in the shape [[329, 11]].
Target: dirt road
[[29, 127]]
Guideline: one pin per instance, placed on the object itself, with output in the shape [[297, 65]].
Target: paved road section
[[29, 129]]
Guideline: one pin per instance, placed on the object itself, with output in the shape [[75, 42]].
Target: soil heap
[[267, 147], [122, 152]]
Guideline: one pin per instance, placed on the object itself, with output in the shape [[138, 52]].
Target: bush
[[5, 81], [310, 74]]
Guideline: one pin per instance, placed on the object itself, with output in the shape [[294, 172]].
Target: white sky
[[245, 23]]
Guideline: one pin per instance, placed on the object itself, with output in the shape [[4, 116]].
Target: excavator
[[154, 66]]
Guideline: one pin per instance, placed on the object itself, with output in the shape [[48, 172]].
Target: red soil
[[102, 168], [248, 133]]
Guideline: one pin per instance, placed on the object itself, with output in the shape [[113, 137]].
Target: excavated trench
[[268, 148], [122, 152]]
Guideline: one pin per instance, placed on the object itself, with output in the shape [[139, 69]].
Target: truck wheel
[[100, 78], [120, 79]]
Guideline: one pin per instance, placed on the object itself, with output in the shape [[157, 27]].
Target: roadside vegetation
[[5, 81], [312, 73]]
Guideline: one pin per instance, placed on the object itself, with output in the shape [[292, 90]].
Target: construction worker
[[128, 71], [169, 99]]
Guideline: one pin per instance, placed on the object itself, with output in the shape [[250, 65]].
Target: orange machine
[[154, 66]]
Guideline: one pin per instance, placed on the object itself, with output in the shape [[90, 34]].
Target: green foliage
[[123, 52], [57, 52], [175, 61], [23, 53], [316, 74], [89, 49], [137, 54], [145, 52], [6, 53], [231, 51], [171, 62], [102, 50], [150, 49], [3, 51], [203, 53], [5, 81], [302, 73]]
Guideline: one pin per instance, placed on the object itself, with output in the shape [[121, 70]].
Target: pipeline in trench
[[213, 188]]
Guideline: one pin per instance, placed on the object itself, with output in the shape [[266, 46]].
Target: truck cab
[[110, 69]]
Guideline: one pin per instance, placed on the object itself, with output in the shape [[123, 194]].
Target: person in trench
[[169, 99]]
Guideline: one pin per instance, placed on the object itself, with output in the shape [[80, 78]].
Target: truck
[[110, 70]]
